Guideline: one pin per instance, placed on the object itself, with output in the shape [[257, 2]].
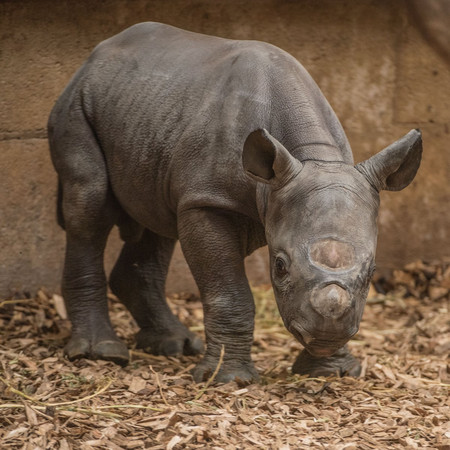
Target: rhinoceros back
[[171, 110]]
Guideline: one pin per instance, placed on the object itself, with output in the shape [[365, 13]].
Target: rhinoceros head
[[320, 224]]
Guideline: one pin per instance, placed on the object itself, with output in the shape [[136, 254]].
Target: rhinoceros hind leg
[[342, 363], [179, 342], [111, 349], [88, 211], [138, 279]]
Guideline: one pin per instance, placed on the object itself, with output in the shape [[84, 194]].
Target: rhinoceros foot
[[243, 372], [171, 343], [109, 349], [342, 363]]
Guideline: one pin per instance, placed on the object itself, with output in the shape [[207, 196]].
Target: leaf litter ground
[[401, 399]]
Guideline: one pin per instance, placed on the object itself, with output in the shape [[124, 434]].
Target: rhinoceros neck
[[304, 121]]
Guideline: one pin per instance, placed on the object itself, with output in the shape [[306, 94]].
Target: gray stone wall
[[377, 71]]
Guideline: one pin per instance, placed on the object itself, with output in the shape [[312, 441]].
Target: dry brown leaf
[[60, 306], [137, 384]]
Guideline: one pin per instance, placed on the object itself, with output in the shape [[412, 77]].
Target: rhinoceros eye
[[372, 268], [280, 267]]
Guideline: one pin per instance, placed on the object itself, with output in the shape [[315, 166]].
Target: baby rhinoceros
[[226, 146]]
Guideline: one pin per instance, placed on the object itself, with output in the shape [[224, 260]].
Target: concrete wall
[[378, 73]]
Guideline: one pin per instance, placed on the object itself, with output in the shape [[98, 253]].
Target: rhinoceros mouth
[[301, 334], [319, 348], [322, 352]]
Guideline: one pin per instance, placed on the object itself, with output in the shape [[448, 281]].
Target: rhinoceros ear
[[394, 167], [267, 160]]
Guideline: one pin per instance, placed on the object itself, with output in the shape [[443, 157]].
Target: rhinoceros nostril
[[332, 255], [330, 301]]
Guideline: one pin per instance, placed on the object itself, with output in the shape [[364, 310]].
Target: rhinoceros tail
[[59, 208]]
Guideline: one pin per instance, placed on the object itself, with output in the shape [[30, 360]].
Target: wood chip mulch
[[401, 399]]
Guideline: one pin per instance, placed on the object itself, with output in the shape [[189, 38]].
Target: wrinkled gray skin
[[225, 145]]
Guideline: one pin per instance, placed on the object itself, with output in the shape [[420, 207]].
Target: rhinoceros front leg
[[213, 244], [138, 279], [341, 363]]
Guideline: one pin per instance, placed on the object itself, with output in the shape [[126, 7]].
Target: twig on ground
[[70, 402], [12, 302], [40, 408], [213, 376], [151, 408], [159, 386]]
